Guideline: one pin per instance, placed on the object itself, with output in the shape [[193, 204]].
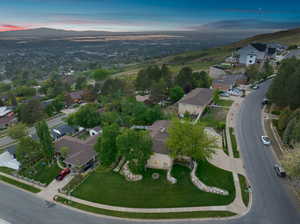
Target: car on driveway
[[266, 140], [255, 87], [279, 171], [62, 174], [225, 94]]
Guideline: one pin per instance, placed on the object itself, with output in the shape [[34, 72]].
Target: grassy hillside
[[203, 59]]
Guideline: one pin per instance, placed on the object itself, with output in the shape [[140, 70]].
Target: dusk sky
[[149, 15]]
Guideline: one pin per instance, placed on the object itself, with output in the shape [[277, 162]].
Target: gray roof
[[158, 133], [77, 94], [229, 79], [198, 97], [80, 152]]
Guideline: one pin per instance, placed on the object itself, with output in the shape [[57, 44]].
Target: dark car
[[63, 174], [279, 171]]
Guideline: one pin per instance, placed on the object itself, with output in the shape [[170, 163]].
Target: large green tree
[[31, 112], [17, 131], [87, 116], [28, 152], [176, 93], [135, 146], [187, 139], [46, 140], [106, 145]]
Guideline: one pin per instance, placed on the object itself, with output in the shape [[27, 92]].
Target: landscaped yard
[[41, 172], [236, 153], [214, 117], [19, 184], [224, 103], [83, 135], [171, 215], [107, 187]]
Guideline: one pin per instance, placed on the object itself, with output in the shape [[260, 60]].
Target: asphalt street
[[272, 202], [51, 123]]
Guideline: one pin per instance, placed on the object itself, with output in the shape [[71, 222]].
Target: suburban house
[[7, 117], [143, 99], [95, 131], [75, 97], [61, 131], [8, 160], [79, 154], [227, 82], [160, 158], [195, 101], [255, 53]]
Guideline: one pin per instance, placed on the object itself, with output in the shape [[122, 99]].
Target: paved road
[[51, 123], [271, 202]]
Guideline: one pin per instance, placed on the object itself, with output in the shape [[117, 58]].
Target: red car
[[63, 174]]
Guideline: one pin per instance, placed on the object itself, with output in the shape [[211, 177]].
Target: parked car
[[224, 94], [235, 92], [255, 87], [279, 171], [265, 101], [62, 174], [266, 140]]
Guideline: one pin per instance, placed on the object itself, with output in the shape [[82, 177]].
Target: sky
[[150, 15]]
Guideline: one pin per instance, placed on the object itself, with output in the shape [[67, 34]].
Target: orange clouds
[[7, 27]]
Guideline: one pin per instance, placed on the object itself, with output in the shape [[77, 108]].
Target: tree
[[31, 112], [87, 116], [17, 131], [201, 79], [291, 162], [80, 83], [100, 74], [267, 69], [64, 151], [285, 88], [184, 79], [187, 139], [46, 141], [106, 145], [136, 147], [28, 152], [113, 87], [142, 82], [166, 75], [216, 97], [176, 93], [252, 72], [158, 90]]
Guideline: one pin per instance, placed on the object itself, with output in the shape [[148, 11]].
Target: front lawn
[[19, 184], [214, 117], [107, 187], [41, 172], [132, 215], [236, 153], [224, 103], [6, 170]]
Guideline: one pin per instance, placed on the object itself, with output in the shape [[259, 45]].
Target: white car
[[266, 140]]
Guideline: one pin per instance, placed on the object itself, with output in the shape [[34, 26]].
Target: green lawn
[[236, 153], [173, 215], [6, 170], [224, 142], [224, 103], [214, 117], [42, 172], [244, 189], [19, 184], [107, 187]]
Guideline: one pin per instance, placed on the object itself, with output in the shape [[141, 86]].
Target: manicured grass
[[6, 170], [107, 187], [19, 184], [236, 153], [224, 103], [224, 142], [42, 172], [214, 176], [244, 189], [173, 215], [214, 117]]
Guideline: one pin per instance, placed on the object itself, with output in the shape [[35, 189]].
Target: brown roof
[[229, 80], [198, 97], [80, 152], [158, 132], [77, 94]]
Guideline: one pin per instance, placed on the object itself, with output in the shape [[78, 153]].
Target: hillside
[[201, 60]]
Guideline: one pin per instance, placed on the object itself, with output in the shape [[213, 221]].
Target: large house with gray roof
[[195, 101]]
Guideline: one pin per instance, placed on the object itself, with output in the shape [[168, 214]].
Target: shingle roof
[[198, 97], [158, 133], [79, 151], [228, 79], [77, 94]]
